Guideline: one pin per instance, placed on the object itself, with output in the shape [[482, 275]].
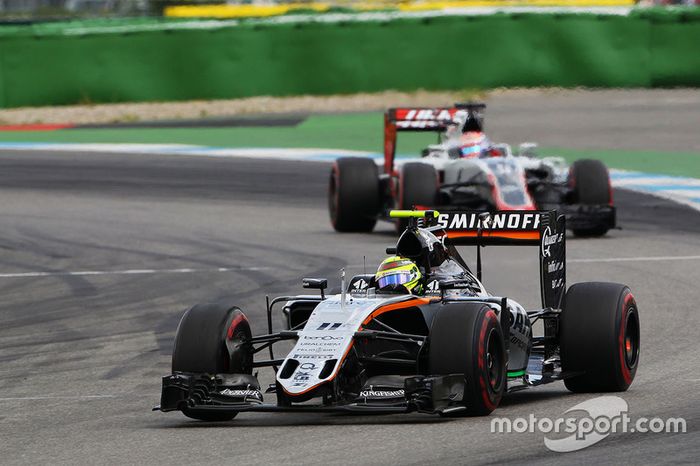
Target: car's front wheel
[[468, 339], [212, 339]]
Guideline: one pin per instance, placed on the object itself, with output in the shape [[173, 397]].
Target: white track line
[[82, 273], [595, 260], [637, 259], [272, 153], [76, 397]]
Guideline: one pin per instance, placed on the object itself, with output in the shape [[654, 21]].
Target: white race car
[[450, 348], [466, 170]]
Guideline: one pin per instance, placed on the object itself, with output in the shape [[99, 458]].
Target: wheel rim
[[631, 339], [236, 355], [240, 356], [494, 361]]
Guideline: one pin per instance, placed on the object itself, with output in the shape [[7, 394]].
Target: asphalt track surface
[[101, 254]]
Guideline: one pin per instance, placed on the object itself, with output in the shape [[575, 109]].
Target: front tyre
[[212, 339], [353, 194], [599, 337], [468, 339]]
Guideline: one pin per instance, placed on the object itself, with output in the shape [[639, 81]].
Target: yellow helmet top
[[395, 271]]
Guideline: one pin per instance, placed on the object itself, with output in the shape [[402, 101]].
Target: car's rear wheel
[[212, 339], [418, 186], [468, 339], [599, 337], [353, 194], [590, 182]]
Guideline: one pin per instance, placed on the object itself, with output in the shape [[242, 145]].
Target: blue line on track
[[665, 187], [630, 175]]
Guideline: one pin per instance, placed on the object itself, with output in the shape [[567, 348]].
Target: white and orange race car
[[465, 170], [448, 347]]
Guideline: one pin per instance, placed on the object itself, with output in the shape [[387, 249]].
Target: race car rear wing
[[425, 119], [544, 229]]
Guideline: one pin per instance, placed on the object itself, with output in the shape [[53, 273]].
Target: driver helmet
[[473, 144], [395, 273]]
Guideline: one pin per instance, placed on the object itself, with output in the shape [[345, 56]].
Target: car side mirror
[[316, 284]]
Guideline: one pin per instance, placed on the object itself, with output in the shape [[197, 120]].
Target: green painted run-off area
[[359, 131]]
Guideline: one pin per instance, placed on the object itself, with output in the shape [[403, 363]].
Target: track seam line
[[58, 397], [635, 259]]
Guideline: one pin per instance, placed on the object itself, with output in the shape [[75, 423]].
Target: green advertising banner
[[53, 66]]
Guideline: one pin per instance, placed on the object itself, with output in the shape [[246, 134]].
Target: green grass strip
[[353, 131]]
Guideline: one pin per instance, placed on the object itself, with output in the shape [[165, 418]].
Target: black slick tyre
[[599, 337], [418, 186], [211, 338], [353, 194], [468, 339], [590, 183]]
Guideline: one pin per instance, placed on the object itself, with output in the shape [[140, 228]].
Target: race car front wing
[[241, 392]]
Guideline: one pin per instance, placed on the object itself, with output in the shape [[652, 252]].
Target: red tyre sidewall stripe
[[483, 382], [234, 324], [625, 371]]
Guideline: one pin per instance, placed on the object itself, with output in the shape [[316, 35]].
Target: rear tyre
[[212, 339], [599, 337], [353, 194], [418, 186], [590, 181], [468, 339]]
